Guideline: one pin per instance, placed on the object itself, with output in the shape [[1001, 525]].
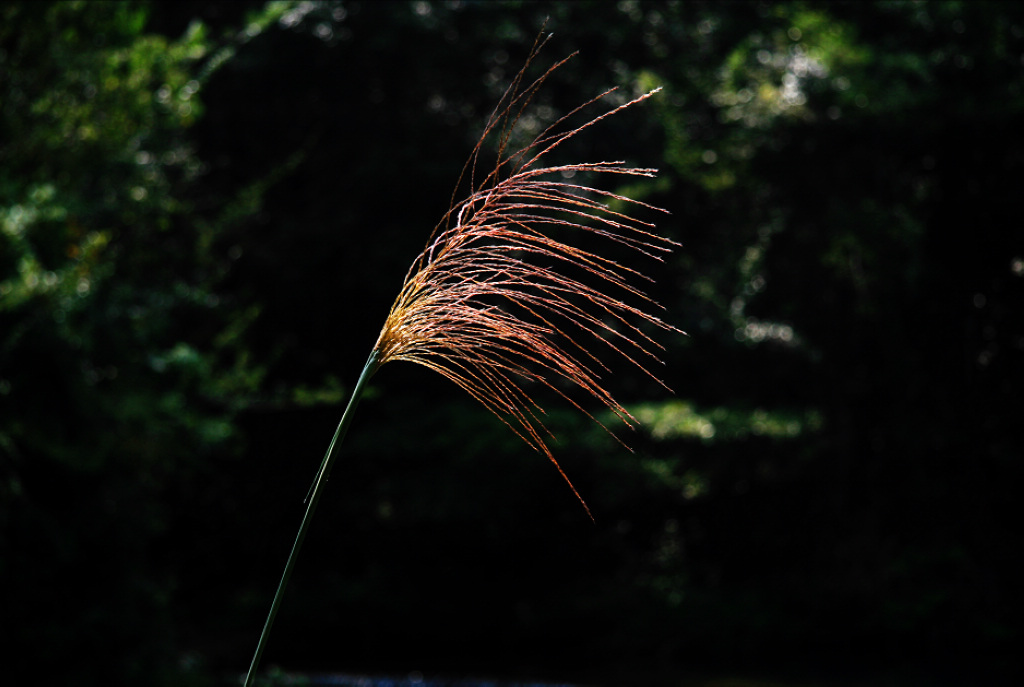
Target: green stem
[[314, 497]]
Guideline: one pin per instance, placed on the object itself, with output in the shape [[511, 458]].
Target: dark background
[[207, 208]]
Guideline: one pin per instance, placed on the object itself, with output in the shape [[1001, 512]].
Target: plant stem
[[314, 497]]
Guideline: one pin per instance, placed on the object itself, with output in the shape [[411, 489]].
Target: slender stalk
[[497, 300], [314, 497]]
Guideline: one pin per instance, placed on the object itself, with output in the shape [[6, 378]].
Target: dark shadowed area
[[207, 209]]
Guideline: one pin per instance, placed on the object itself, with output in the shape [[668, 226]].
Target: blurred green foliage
[[206, 209]]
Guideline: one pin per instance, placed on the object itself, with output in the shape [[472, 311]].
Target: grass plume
[[496, 301], [500, 300]]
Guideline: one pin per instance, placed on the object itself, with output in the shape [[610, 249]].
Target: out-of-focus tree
[[109, 329], [180, 274]]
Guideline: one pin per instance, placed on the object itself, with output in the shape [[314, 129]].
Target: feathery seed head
[[499, 299]]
